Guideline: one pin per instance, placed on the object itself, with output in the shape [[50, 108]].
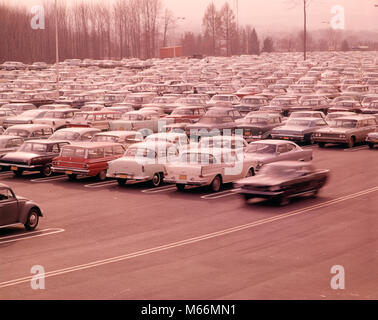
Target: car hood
[[258, 156], [334, 130]]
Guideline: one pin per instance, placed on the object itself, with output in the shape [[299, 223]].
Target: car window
[[55, 148], [47, 132], [290, 147], [118, 150], [96, 153], [88, 136], [282, 149], [108, 151], [5, 194], [38, 133]]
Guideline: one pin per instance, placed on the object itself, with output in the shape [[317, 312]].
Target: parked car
[[372, 139], [94, 119], [211, 125], [208, 167], [223, 98], [33, 155], [9, 144], [146, 121], [224, 111], [30, 131], [18, 210], [251, 103], [126, 138], [331, 117], [19, 108], [372, 108], [143, 162], [75, 134], [346, 130], [283, 180], [259, 126], [268, 151], [27, 117], [58, 119], [346, 106], [4, 114], [85, 159], [193, 113], [299, 129]]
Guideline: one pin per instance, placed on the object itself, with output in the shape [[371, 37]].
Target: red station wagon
[[87, 159]]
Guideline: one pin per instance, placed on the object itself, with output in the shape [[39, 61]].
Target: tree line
[[137, 29]]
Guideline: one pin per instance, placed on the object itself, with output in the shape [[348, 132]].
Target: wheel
[[46, 171], [351, 142], [371, 145], [314, 194], [250, 173], [102, 175], [247, 197], [311, 140], [18, 173], [121, 182], [32, 220], [321, 144], [281, 201], [180, 187], [72, 177], [216, 184], [156, 180]]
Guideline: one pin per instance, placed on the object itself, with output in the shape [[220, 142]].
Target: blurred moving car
[[17, 210], [282, 181]]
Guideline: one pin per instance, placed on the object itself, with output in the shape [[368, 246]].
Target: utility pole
[[57, 49], [305, 29]]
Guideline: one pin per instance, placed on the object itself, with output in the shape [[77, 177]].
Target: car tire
[[216, 184], [102, 175], [247, 197], [351, 142], [250, 173], [121, 182], [157, 180], [32, 220], [321, 144], [46, 171], [72, 177], [371, 145], [18, 173], [180, 187]]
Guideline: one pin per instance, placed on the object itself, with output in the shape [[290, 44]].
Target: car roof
[[117, 133], [79, 130], [357, 117], [46, 141], [30, 126], [92, 145]]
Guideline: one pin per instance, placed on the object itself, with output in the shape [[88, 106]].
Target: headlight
[[342, 136]]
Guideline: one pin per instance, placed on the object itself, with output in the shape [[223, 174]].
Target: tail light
[[142, 168]]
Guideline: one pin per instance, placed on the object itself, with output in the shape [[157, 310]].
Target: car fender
[[25, 209]]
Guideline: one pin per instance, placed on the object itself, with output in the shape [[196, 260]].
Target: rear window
[[72, 152]]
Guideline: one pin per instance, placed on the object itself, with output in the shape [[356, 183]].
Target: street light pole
[[57, 49]]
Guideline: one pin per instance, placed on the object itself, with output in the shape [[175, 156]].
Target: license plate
[[247, 133], [123, 176], [286, 138], [122, 129], [69, 172], [182, 177], [14, 168]]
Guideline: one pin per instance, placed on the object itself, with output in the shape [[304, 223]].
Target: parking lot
[[103, 241]]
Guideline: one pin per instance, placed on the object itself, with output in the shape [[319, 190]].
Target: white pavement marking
[[218, 195], [48, 179], [160, 189], [356, 149], [188, 241], [101, 184], [30, 235]]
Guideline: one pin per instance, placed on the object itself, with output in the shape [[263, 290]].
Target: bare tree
[[211, 24], [227, 26]]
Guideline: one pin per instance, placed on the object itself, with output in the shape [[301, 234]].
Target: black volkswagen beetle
[[283, 180], [15, 210]]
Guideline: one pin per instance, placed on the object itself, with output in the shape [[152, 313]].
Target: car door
[[8, 207]]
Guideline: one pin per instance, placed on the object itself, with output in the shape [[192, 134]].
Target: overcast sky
[[269, 15]]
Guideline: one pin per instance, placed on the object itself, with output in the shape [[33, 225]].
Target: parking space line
[[185, 242], [160, 189], [356, 149], [223, 194], [101, 184], [30, 235], [48, 179]]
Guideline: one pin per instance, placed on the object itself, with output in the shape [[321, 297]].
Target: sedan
[[282, 181]]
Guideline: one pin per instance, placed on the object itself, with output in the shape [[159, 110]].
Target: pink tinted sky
[[268, 15]]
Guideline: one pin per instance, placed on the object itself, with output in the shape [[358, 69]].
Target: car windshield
[[140, 153], [256, 120], [55, 115], [33, 147], [73, 152], [261, 148], [348, 124], [71, 136], [17, 132], [300, 123], [197, 158], [279, 171], [103, 138], [132, 117], [183, 112], [82, 117], [211, 120]]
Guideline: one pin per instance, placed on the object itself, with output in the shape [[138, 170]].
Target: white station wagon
[[143, 162]]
